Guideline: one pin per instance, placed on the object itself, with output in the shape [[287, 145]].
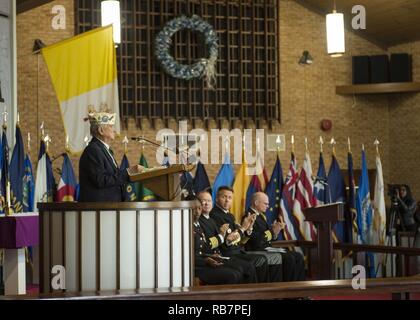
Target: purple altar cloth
[[19, 231]]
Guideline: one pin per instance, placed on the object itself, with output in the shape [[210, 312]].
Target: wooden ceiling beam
[[26, 5]]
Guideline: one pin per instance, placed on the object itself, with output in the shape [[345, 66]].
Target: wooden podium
[[163, 181], [324, 218]]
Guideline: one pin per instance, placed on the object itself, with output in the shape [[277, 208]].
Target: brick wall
[[404, 114], [307, 95]]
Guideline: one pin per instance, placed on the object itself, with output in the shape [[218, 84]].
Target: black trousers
[[246, 268], [258, 261], [293, 266], [218, 275]]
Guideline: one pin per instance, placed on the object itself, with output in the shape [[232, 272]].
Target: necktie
[[111, 152]]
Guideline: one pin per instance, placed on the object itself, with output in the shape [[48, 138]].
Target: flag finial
[[292, 140], [349, 144], [86, 140], [333, 143], [278, 143], [67, 146], [5, 113], [29, 141], [377, 143], [42, 130], [306, 144], [125, 143], [47, 141], [321, 144]]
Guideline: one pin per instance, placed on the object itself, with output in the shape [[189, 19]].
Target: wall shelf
[[374, 88]]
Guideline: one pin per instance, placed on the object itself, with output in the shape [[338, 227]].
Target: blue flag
[[364, 214], [130, 192], [320, 183], [201, 180], [187, 185], [273, 191], [67, 186], [352, 213], [336, 190], [51, 186], [363, 204], [28, 195], [254, 186], [5, 166], [225, 177], [17, 172]]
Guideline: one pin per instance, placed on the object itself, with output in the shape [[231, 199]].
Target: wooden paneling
[[375, 88], [389, 22]]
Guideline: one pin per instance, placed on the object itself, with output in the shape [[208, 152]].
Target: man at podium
[[101, 180]]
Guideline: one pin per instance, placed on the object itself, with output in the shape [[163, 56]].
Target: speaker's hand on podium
[[136, 169]]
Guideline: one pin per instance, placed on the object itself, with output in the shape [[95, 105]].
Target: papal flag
[[83, 71]]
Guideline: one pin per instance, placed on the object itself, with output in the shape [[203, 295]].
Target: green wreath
[[205, 67]]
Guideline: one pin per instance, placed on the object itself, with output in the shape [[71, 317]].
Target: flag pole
[[8, 210]]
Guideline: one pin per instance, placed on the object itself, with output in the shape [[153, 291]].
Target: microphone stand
[[177, 150]]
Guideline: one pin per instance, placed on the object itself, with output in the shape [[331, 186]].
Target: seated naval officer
[[210, 268], [262, 234]]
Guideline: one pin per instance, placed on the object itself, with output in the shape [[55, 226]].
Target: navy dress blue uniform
[[260, 238], [212, 239], [100, 178], [224, 274], [265, 273]]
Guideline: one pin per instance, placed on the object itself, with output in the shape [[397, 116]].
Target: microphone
[[177, 150]]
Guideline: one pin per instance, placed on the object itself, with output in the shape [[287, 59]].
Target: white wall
[[8, 64]]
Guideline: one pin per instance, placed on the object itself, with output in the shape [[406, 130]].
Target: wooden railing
[[311, 246], [112, 246], [398, 287]]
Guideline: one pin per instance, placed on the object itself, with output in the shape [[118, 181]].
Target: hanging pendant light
[[335, 33], [110, 14]]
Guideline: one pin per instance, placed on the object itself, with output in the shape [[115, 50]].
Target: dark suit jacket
[[100, 180], [261, 235]]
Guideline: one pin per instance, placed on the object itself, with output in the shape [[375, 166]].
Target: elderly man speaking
[[100, 178]]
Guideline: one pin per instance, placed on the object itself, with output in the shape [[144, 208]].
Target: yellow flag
[[240, 187], [83, 71]]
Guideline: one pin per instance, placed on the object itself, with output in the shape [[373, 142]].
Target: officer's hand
[[223, 229], [277, 226], [213, 263], [233, 236], [247, 222]]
